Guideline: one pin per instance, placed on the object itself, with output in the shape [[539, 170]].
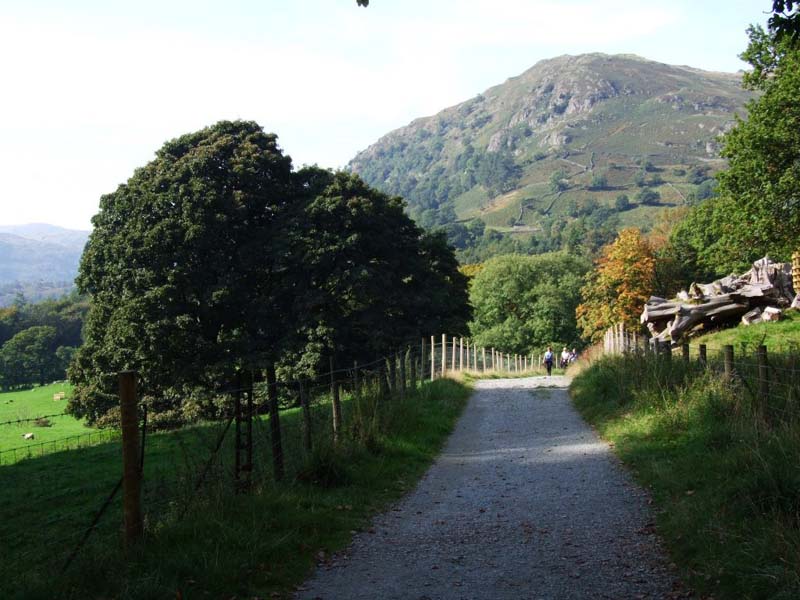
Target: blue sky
[[91, 89]]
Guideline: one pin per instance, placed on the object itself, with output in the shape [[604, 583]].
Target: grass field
[[50, 434], [719, 457], [257, 544]]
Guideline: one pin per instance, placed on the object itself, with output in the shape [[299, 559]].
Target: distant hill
[[570, 131], [38, 260]]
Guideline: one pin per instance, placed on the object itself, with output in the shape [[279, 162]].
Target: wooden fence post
[[703, 356], [412, 363], [763, 375], [685, 353], [444, 354], [335, 404], [402, 375], [131, 471], [453, 356], [483, 353], [460, 354], [275, 423], [433, 358], [306, 417], [423, 362], [393, 373], [728, 361]]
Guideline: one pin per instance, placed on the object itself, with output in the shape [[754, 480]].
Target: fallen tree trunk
[[767, 285]]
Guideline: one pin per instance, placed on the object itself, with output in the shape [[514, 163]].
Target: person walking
[[548, 360], [564, 358]]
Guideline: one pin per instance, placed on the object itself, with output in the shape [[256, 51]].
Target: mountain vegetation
[[539, 162]]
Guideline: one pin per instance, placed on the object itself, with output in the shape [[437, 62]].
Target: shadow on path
[[524, 502]]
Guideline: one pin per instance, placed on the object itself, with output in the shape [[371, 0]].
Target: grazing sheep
[[28, 436]]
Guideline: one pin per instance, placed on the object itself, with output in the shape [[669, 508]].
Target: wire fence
[[63, 501], [769, 383]]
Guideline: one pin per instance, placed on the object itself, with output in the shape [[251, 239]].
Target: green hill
[[563, 139]]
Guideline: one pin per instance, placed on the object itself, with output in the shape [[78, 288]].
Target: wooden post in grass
[[131, 459], [703, 356], [453, 356], [763, 374], [433, 358], [275, 423], [483, 353], [336, 405], [460, 354], [423, 361], [306, 416], [444, 354], [402, 375], [685, 353], [728, 361], [412, 363], [393, 374]]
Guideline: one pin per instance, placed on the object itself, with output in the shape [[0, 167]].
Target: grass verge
[[720, 461], [257, 544]]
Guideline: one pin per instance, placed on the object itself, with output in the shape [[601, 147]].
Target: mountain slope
[[38, 260], [569, 132]]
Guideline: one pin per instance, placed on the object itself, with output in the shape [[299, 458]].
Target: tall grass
[[256, 544], [721, 461]]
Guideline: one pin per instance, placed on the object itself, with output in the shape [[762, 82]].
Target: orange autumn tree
[[619, 286]]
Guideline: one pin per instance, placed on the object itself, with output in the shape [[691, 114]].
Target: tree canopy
[[217, 256], [616, 291], [756, 210], [523, 303]]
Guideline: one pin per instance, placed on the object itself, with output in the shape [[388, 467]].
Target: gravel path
[[524, 502]]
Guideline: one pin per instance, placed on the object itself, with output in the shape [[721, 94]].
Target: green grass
[[720, 463], [228, 545], [49, 435], [777, 336]]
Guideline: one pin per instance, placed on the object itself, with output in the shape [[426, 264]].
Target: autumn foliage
[[619, 286]]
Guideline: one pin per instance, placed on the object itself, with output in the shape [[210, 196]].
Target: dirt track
[[524, 502]]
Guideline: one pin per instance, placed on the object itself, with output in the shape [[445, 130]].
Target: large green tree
[[523, 303], [763, 153], [757, 207], [373, 280], [184, 266], [217, 256], [30, 357]]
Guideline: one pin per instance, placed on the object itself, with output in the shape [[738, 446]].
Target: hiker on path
[[548, 360], [564, 358]]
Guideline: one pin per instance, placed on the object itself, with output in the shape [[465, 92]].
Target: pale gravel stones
[[524, 502]]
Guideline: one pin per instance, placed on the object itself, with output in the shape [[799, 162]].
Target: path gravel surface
[[524, 502]]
